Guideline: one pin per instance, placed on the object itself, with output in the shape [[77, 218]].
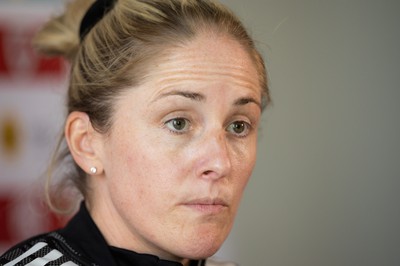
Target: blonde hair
[[115, 54]]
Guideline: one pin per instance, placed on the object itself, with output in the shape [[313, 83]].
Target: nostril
[[207, 172]]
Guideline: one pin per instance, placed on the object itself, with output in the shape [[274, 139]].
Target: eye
[[239, 128], [178, 125]]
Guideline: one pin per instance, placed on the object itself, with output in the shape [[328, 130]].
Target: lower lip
[[206, 208]]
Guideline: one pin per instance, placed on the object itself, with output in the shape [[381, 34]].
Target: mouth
[[207, 205]]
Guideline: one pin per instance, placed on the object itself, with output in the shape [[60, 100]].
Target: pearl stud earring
[[93, 170]]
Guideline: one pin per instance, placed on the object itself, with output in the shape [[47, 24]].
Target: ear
[[81, 138]]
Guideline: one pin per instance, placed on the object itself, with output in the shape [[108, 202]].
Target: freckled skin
[[159, 184]]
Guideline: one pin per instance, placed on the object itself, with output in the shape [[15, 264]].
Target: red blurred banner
[[32, 91]]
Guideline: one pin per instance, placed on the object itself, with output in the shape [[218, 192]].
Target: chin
[[199, 253], [203, 246]]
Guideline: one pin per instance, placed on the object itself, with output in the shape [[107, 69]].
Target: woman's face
[[181, 150]]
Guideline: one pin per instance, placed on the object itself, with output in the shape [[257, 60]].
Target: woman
[[164, 103]]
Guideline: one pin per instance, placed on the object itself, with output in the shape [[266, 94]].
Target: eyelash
[[186, 127]]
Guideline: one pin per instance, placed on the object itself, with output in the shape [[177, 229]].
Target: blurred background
[[31, 116], [326, 188]]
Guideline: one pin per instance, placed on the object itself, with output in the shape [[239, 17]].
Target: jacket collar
[[83, 235]]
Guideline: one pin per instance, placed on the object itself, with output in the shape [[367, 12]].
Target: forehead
[[208, 57]]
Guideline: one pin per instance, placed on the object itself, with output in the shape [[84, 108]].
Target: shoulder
[[39, 250]]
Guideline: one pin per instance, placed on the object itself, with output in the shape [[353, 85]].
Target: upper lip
[[207, 201]]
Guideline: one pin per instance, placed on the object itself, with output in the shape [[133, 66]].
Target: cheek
[[244, 163], [244, 155], [131, 184], [143, 169]]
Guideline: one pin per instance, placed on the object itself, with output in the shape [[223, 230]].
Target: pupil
[[238, 127], [179, 124]]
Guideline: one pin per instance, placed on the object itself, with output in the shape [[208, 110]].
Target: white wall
[[326, 190]]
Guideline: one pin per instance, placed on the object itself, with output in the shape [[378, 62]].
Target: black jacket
[[81, 243]]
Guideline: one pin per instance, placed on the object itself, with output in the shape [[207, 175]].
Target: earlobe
[[80, 136]]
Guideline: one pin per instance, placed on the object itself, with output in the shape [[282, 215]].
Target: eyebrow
[[195, 96], [246, 100], [187, 94]]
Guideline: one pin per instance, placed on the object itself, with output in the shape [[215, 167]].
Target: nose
[[214, 160]]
